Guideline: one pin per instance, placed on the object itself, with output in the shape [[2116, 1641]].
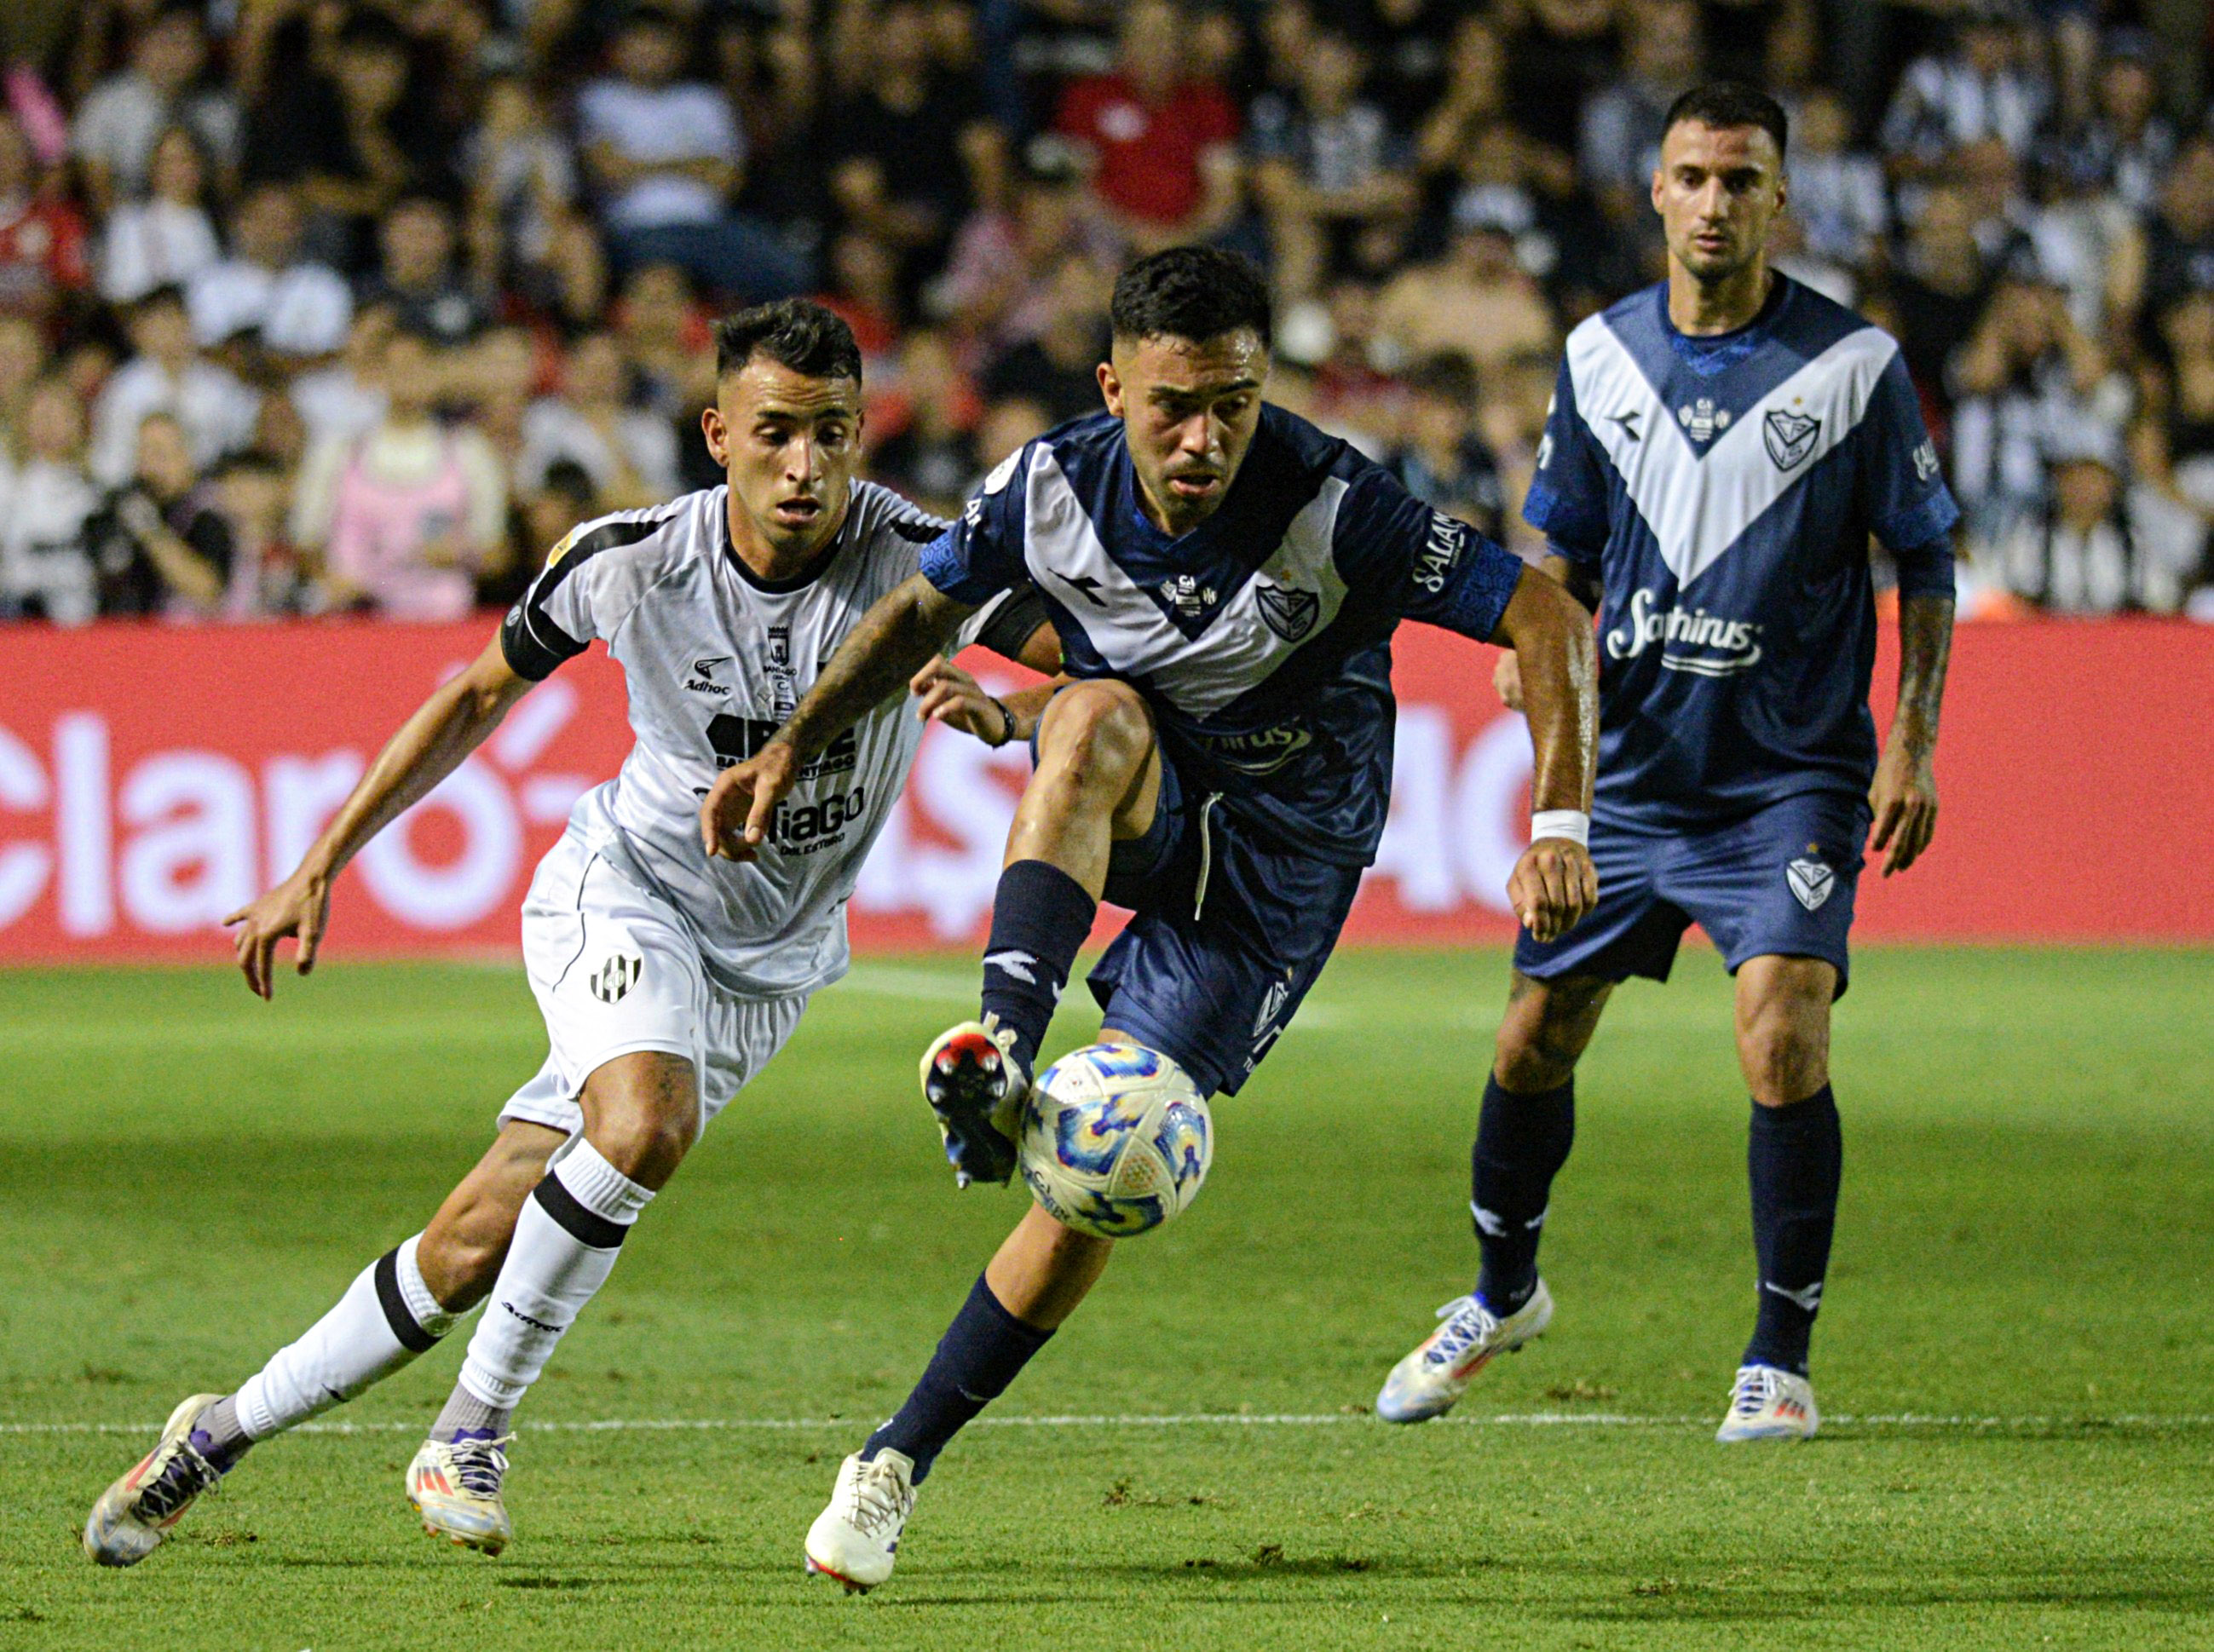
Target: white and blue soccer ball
[[1115, 1139]]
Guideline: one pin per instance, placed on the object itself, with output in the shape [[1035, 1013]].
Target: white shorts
[[614, 971]]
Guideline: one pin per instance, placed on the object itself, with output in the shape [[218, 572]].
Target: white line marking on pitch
[[2140, 1421]]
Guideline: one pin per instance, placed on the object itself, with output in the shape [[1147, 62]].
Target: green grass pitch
[[2016, 1352]]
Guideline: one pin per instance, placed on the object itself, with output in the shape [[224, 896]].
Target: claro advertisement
[[154, 778]]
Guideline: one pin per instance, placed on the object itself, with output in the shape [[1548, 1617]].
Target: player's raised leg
[[642, 1113], [396, 1308], [1097, 782], [1524, 1131], [1794, 1159]]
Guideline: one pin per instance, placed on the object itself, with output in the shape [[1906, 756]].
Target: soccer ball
[[1114, 1140]]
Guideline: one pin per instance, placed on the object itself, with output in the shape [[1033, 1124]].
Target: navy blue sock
[[977, 1357], [1040, 917], [1795, 1156], [1521, 1143]]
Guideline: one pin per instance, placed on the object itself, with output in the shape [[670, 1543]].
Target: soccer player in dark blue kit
[[1719, 450], [1224, 579]]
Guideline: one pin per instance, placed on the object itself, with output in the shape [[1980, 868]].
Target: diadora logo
[[1925, 460], [1736, 642], [1811, 881], [1441, 551], [1187, 595], [1806, 1300], [1290, 613], [616, 977], [1263, 752], [1629, 423], [1789, 436], [1702, 420], [702, 678]]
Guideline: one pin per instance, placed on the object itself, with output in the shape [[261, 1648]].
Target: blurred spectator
[[295, 309], [115, 131], [1059, 368], [1164, 144], [541, 518], [1940, 287], [863, 291], [2098, 546], [2178, 250], [346, 397], [167, 238], [22, 360], [1619, 148], [46, 572], [1838, 193], [1476, 301], [932, 453], [2127, 146], [418, 278], [2174, 439], [42, 236], [1979, 88], [1475, 94], [524, 229], [1005, 426], [910, 148], [668, 157], [167, 374], [407, 516], [1441, 458], [996, 288], [2027, 378], [1563, 49], [1326, 162], [159, 544], [255, 494], [630, 456]]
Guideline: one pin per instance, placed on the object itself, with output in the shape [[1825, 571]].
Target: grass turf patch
[[189, 1177]]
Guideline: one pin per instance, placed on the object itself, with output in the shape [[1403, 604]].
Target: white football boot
[[1768, 1404], [455, 1486], [1427, 1381], [136, 1514], [856, 1538]]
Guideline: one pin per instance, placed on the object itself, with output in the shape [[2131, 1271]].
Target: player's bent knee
[[642, 1114], [1095, 736]]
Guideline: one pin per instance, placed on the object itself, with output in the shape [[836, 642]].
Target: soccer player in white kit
[[667, 979]]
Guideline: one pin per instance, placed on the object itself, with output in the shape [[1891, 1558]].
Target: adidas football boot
[[857, 1537], [1768, 1404], [1429, 1380], [976, 1086], [136, 1514], [455, 1486]]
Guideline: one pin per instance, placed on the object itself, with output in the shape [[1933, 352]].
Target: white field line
[[2141, 1421]]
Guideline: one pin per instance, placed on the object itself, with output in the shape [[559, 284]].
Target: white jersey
[[715, 658]]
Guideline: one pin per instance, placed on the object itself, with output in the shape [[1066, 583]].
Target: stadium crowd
[[311, 306]]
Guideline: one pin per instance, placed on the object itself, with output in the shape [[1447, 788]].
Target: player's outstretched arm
[[457, 718], [1553, 886], [1507, 675], [1903, 799], [891, 642]]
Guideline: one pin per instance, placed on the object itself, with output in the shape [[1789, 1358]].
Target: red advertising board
[[153, 778]]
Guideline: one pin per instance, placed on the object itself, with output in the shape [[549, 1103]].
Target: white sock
[[387, 1317], [565, 1243]]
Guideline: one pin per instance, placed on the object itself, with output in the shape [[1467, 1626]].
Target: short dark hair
[[794, 333], [1191, 292], [1730, 103]]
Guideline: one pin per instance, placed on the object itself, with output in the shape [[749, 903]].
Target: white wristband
[[1570, 823]]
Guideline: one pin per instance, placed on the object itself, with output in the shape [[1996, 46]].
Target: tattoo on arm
[[1925, 644], [879, 655]]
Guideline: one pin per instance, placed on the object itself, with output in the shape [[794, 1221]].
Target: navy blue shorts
[[1779, 880], [1230, 931]]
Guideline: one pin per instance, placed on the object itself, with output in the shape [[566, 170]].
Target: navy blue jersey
[[1724, 489], [1261, 639]]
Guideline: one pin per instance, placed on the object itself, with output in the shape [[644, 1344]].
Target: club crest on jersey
[[1290, 612], [783, 678], [1811, 882], [1790, 436], [616, 977], [1187, 595], [1702, 420]]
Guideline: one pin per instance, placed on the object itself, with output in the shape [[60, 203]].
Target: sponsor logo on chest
[[1727, 646]]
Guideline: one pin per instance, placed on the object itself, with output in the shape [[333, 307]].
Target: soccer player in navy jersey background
[[1720, 448]]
